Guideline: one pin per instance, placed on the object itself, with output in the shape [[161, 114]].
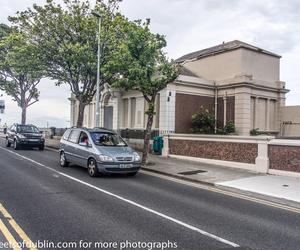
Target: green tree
[[140, 64], [20, 68], [67, 38]]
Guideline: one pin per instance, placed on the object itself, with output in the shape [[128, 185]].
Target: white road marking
[[130, 202]]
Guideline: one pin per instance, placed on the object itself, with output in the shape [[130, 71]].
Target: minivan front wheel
[[16, 145], [92, 168], [63, 161]]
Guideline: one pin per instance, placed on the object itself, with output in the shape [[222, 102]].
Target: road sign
[[2, 106]]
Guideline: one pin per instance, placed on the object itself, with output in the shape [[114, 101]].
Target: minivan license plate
[[125, 165]]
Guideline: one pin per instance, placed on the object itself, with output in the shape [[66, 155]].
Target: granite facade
[[225, 151], [284, 157]]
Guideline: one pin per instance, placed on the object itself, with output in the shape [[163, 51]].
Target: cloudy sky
[[189, 25]]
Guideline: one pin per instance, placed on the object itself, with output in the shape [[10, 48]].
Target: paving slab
[[208, 173], [276, 186]]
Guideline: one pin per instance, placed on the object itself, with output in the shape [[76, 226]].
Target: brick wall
[[186, 106], [136, 133]]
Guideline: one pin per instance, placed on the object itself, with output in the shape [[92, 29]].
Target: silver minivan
[[99, 150]]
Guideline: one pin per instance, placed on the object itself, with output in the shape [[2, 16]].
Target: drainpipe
[[216, 106]]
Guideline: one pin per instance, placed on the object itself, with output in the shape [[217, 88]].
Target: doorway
[[108, 117]]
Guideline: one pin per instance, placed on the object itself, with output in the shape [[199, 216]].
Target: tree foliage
[[20, 68], [67, 37], [140, 64]]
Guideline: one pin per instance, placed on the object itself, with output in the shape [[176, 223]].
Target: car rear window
[[66, 134], [74, 136]]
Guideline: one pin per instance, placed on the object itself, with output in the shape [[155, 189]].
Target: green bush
[[254, 132], [229, 127], [203, 122]]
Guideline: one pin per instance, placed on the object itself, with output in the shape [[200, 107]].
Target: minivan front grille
[[124, 159], [32, 136]]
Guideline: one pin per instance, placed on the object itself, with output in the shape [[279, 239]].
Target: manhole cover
[[285, 185], [192, 172]]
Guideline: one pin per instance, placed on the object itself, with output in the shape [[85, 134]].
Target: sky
[[188, 25]]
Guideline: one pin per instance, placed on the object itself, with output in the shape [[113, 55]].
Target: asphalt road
[[55, 205]]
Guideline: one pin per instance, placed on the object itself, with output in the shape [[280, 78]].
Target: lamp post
[[97, 123]]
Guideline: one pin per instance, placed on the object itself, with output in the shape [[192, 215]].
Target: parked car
[[20, 135], [99, 150]]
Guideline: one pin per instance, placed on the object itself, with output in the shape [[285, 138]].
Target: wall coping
[[285, 142], [222, 138]]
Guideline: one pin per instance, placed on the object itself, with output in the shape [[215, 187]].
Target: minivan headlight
[[105, 158], [21, 136], [136, 157]]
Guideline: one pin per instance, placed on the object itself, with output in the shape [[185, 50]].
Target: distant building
[[237, 81]]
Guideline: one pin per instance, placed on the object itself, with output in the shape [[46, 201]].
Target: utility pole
[[97, 114]]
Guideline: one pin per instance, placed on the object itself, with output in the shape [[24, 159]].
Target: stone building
[[235, 80]]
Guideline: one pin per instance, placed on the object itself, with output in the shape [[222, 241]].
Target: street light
[[97, 123]]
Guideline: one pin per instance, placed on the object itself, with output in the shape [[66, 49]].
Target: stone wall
[[284, 157], [225, 151]]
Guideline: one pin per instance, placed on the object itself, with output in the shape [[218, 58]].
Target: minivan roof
[[100, 130]]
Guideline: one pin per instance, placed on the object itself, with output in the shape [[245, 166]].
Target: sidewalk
[[283, 190]]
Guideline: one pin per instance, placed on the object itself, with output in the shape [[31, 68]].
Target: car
[[100, 150], [20, 135]]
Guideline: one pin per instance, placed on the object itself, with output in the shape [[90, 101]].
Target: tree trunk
[[80, 114], [147, 138], [23, 119]]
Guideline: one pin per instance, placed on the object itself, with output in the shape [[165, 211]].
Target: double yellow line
[[7, 234]]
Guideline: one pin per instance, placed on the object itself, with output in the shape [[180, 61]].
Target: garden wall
[[263, 154]]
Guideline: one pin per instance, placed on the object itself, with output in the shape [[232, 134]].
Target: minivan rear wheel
[[92, 168], [63, 161]]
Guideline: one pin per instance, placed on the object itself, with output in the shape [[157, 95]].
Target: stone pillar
[[165, 150], [167, 111], [267, 127], [255, 115], [116, 110], [262, 159], [243, 110], [225, 111], [129, 114]]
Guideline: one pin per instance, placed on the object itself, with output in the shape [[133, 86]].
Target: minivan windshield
[[27, 129], [107, 139]]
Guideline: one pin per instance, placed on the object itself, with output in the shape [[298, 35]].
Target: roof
[[186, 72], [221, 48]]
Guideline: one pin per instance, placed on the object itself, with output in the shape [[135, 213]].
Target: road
[[43, 203]]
